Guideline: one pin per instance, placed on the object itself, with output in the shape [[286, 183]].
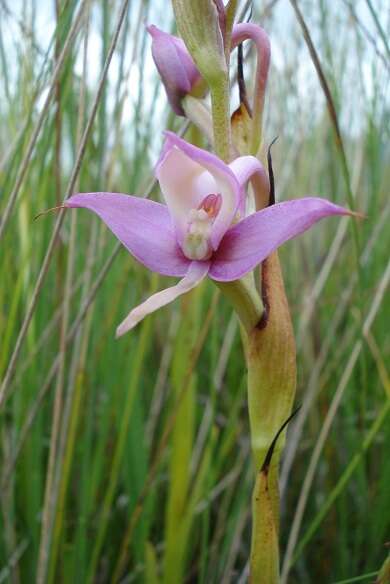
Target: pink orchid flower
[[202, 229]]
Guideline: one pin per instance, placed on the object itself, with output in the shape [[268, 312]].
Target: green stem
[[270, 354], [271, 363], [264, 559], [245, 299], [231, 10], [220, 107]]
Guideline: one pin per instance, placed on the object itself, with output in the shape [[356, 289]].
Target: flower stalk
[[271, 364], [268, 337], [264, 558], [219, 91], [245, 299], [202, 26]]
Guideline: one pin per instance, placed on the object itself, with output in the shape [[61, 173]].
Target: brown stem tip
[[50, 210]]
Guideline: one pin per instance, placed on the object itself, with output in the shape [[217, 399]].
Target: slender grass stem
[[68, 45], [168, 428], [293, 538], [49, 253]]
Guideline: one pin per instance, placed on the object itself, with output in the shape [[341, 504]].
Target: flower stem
[[245, 299], [270, 355], [220, 107], [271, 363], [264, 558]]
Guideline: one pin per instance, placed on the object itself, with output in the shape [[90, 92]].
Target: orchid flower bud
[[199, 24], [177, 70]]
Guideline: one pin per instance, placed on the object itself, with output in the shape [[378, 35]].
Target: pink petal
[[196, 272], [175, 66], [254, 32], [144, 227], [249, 167], [187, 174], [252, 240]]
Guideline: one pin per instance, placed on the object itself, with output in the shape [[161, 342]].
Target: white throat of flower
[[196, 244]]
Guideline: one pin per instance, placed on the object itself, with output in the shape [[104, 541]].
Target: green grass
[[129, 460]]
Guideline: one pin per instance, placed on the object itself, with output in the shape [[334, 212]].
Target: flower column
[[269, 345]]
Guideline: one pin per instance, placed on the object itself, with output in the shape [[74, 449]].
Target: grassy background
[[129, 460]]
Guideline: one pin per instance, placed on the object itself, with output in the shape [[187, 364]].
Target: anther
[[211, 204]]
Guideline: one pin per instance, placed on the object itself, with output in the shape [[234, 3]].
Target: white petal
[[187, 175], [184, 184], [196, 272]]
